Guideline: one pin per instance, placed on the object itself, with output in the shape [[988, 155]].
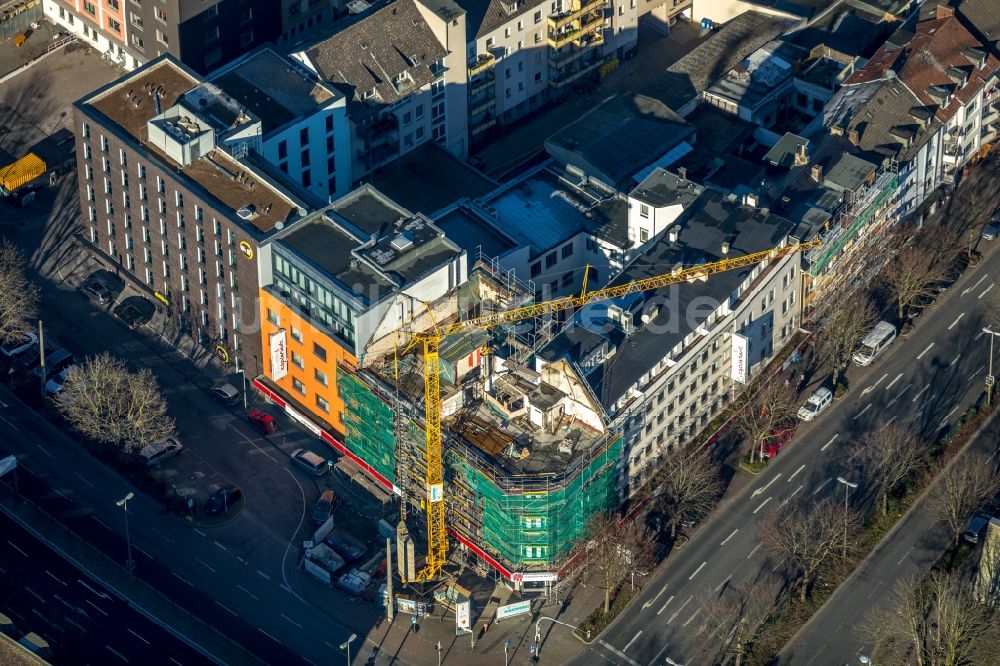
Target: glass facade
[[314, 300]]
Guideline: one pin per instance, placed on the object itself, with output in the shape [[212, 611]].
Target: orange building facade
[[302, 360]]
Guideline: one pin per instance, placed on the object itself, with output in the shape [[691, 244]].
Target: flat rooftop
[[368, 211], [758, 75], [130, 103], [273, 88], [471, 232], [662, 188], [545, 208]]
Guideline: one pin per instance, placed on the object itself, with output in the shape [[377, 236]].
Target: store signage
[[740, 347], [463, 614], [279, 355], [246, 249], [309, 425], [510, 610]]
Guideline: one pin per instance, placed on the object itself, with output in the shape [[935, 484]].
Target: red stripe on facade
[[260, 386], [479, 551], [368, 469]]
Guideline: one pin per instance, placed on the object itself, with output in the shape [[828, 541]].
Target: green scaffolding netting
[[538, 526], [368, 425]]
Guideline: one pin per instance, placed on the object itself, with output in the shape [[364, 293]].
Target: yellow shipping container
[[21, 172]]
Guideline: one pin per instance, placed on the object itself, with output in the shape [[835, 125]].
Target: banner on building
[[740, 348], [279, 355], [510, 610]]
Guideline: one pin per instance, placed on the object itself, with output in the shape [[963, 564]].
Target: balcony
[[559, 58], [375, 156], [380, 127], [581, 8], [484, 82], [483, 62], [481, 105], [488, 122], [588, 24], [569, 74]]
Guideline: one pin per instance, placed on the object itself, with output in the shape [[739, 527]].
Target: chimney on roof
[[672, 234], [750, 199], [943, 11], [816, 172], [725, 248], [801, 155], [682, 173], [854, 137]]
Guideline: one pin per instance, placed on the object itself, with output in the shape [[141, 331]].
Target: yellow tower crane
[[437, 532]]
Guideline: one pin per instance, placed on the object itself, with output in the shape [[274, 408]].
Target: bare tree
[[616, 549], [105, 401], [848, 321], [18, 296], [689, 487], [962, 489], [761, 413], [808, 538], [933, 622], [732, 617], [888, 455], [911, 273]]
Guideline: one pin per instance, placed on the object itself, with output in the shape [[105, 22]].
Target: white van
[[875, 343], [153, 454]]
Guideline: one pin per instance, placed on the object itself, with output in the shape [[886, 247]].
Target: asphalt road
[[924, 381], [82, 621]]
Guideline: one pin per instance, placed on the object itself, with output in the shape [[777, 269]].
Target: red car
[[775, 440], [263, 421]]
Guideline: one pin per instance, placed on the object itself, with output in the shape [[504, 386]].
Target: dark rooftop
[[368, 210], [783, 153], [662, 188], [484, 16], [848, 27], [848, 173], [472, 232]]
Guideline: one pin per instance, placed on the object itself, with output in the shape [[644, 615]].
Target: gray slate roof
[[734, 41], [370, 51], [484, 16]]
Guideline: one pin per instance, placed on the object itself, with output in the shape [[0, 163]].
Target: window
[[296, 334], [407, 118], [297, 361], [419, 111], [538, 17], [536, 269], [319, 352], [322, 404], [321, 377], [643, 210], [550, 260], [329, 124], [567, 250], [643, 235], [282, 149], [160, 15], [114, 25], [160, 37], [304, 136], [298, 386], [89, 8], [419, 135], [304, 159], [306, 178]]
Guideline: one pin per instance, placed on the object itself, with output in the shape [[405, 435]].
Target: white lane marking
[[14, 546], [263, 575], [905, 389], [762, 505], [753, 551], [84, 479], [10, 424], [44, 450], [228, 610], [693, 616], [944, 421], [4, 403], [199, 532], [269, 635], [142, 551], [700, 567], [664, 606], [979, 282], [954, 360], [678, 611], [116, 653], [248, 592], [873, 386], [40, 598], [629, 644], [60, 493], [794, 493], [922, 391], [957, 319], [202, 563], [618, 652], [862, 412], [102, 595], [801, 467], [731, 535], [219, 545], [891, 402], [760, 490], [927, 349], [291, 620], [137, 636], [893, 382], [823, 448], [656, 659], [653, 600], [53, 577], [985, 291], [905, 556], [820, 486], [973, 375], [96, 607], [723, 583], [892, 419], [183, 579], [242, 561], [252, 443], [175, 661], [165, 537], [979, 335]]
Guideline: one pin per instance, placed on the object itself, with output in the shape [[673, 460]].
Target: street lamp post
[[439, 652], [538, 632], [129, 562], [989, 374], [506, 646], [848, 487], [243, 374], [346, 645]]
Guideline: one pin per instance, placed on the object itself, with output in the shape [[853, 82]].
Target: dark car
[[226, 393], [97, 291], [263, 421], [130, 315], [222, 499], [324, 507], [918, 305], [991, 230], [27, 359]]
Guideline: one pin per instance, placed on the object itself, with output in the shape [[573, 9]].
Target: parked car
[[919, 304], [817, 402], [991, 230], [130, 314], [223, 498], [12, 349], [26, 359], [55, 363], [346, 545], [97, 291], [976, 528], [263, 421], [309, 461], [226, 393], [55, 385], [153, 454], [324, 507], [777, 438]]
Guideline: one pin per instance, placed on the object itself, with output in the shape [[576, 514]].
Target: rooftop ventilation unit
[[357, 6], [402, 242]]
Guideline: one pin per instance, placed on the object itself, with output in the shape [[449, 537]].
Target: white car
[[14, 348], [55, 385], [817, 402]]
